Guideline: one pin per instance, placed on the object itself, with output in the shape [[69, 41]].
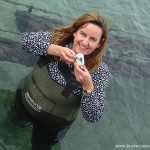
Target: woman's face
[[87, 38]]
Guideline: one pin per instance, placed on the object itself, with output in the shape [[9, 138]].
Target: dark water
[[125, 123]]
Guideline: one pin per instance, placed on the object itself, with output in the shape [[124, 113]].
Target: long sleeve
[[92, 105], [36, 42]]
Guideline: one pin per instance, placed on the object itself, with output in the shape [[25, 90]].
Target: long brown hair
[[64, 35]]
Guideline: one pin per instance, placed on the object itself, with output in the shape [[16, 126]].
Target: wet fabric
[[43, 137]]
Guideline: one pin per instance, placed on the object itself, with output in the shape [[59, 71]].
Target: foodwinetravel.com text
[[133, 146]]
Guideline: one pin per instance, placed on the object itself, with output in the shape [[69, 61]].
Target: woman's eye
[[93, 39], [83, 34]]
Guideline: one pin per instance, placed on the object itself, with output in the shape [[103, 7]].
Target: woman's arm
[[92, 105], [36, 42], [39, 43]]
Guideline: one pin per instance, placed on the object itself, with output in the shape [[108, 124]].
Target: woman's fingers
[[67, 55], [83, 76], [81, 73]]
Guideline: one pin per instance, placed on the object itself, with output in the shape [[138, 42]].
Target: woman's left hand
[[83, 77]]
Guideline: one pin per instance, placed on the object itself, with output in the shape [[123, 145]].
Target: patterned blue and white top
[[92, 105]]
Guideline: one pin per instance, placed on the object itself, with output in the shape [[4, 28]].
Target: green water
[[126, 118]]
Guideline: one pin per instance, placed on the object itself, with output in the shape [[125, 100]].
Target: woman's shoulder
[[102, 69], [103, 66]]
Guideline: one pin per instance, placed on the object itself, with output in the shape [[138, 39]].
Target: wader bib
[[43, 98]]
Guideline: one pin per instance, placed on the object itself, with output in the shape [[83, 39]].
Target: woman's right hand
[[66, 54]]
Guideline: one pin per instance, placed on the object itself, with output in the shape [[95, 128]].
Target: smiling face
[[87, 38]]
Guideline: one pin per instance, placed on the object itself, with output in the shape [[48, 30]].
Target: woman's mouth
[[82, 47]]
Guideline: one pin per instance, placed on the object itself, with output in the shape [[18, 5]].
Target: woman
[[50, 96]]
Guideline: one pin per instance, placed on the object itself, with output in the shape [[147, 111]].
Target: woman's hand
[[66, 54], [83, 77]]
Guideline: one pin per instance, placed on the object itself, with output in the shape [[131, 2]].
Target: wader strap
[[71, 82], [43, 60]]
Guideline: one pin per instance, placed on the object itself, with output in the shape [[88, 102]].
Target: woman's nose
[[85, 41]]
